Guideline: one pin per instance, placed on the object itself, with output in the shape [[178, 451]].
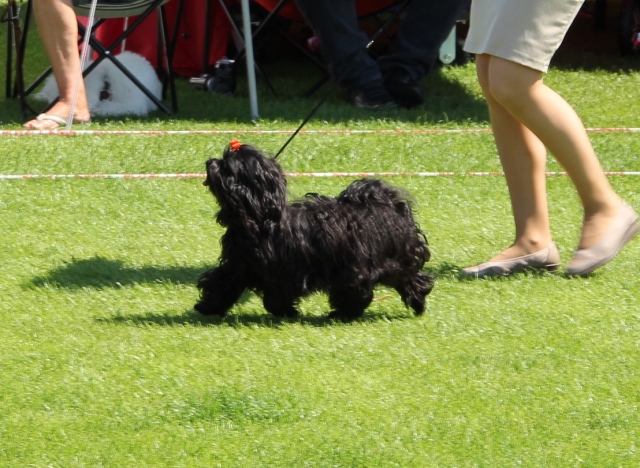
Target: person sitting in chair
[[58, 29], [395, 78]]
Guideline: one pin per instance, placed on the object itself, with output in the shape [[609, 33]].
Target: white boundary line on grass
[[277, 132], [290, 174]]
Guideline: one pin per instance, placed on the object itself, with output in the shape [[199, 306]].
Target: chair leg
[[11, 33], [169, 46], [17, 39]]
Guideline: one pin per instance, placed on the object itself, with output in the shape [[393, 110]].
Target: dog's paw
[[207, 309], [286, 314], [343, 316]]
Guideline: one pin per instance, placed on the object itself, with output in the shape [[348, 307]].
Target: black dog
[[343, 246]]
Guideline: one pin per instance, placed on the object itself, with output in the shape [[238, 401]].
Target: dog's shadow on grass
[[102, 273], [245, 319], [235, 320]]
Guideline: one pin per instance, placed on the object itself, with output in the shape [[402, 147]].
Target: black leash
[[306, 119]]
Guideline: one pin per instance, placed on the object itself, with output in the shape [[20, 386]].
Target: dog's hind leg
[[414, 290], [220, 288], [279, 303], [349, 304]]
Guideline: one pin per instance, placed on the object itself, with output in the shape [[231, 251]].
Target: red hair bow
[[235, 144]]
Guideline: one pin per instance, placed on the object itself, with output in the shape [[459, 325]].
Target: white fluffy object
[[119, 95]]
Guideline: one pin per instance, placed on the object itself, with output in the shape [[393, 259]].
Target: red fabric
[[290, 10], [188, 57]]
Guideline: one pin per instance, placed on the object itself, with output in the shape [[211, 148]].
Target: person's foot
[[403, 88], [596, 225], [57, 117], [372, 95], [504, 265], [621, 230]]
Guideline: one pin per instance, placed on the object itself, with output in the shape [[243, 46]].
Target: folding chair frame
[[165, 53], [401, 6], [11, 16], [238, 38]]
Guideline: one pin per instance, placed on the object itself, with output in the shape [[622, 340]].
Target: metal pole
[[251, 70]]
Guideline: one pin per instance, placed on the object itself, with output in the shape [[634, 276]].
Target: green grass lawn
[[103, 361]]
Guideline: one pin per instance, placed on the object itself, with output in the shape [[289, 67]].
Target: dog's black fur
[[343, 246]]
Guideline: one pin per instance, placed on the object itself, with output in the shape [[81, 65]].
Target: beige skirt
[[527, 32]]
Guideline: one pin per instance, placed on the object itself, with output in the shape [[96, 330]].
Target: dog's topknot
[[250, 187]]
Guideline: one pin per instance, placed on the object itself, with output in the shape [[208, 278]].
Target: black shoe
[[372, 95], [404, 88]]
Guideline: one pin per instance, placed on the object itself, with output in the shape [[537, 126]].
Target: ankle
[[523, 247], [531, 245], [606, 208], [63, 110], [595, 225]]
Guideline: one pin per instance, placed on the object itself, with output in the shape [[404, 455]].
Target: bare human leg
[[59, 33], [520, 91], [528, 118], [523, 157]]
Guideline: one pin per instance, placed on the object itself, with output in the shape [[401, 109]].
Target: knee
[[495, 82], [507, 90], [511, 85]]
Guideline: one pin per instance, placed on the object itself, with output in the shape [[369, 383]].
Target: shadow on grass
[[194, 318], [242, 320], [450, 271], [443, 270], [100, 273]]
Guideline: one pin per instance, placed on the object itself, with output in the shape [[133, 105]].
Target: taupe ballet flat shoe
[[546, 259], [623, 229]]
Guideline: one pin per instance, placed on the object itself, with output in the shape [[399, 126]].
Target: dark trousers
[[419, 38]]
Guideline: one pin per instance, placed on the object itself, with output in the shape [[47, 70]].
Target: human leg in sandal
[[58, 29]]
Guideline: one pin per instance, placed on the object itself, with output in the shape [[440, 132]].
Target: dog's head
[[249, 186]]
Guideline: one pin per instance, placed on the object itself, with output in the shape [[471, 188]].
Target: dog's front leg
[[279, 303], [349, 303], [220, 288]]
